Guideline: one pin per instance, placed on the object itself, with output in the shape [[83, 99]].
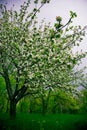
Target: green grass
[[47, 122]]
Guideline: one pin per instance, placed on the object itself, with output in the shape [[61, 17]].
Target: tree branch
[[83, 86], [6, 77], [38, 10], [71, 42], [2, 74], [65, 24], [32, 17], [18, 94], [30, 93]]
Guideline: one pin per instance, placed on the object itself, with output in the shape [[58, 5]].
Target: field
[[47, 122]]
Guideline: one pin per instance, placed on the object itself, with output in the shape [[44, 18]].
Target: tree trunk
[[13, 109], [44, 106], [7, 106]]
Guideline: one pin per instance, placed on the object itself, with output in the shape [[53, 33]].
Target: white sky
[[60, 8]]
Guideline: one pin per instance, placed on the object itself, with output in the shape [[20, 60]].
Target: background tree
[[33, 58], [64, 102], [83, 101], [3, 96]]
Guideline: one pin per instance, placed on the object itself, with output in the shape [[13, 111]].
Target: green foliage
[[63, 102], [45, 1], [73, 14], [3, 96], [83, 101]]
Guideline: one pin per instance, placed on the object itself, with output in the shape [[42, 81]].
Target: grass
[[47, 122]]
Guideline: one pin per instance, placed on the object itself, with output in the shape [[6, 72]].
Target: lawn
[[47, 122]]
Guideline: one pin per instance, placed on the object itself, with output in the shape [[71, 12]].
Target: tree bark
[[44, 106], [13, 109], [7, 106]]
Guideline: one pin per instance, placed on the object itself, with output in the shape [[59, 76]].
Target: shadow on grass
[[49, 122], [81, 125]]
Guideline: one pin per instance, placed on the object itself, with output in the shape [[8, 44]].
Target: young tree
[[33, 58], [83, 101]]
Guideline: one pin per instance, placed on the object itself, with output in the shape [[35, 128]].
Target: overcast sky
[[59, 8], [56, 8]]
